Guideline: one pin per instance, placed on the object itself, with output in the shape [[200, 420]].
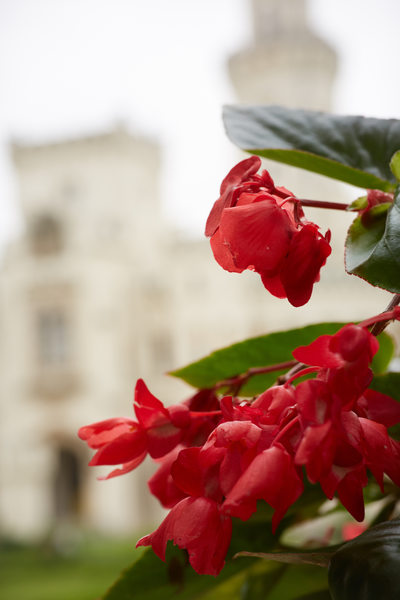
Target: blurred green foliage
[[82, 572]]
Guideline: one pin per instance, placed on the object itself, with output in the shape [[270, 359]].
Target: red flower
[[255, 225], [374, 198], [197, 525], [272, 477], [344, 360], [127, 442], [344, 424], [157, 431], [162, 485]]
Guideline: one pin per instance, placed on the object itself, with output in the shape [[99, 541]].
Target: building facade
[[99, 290]]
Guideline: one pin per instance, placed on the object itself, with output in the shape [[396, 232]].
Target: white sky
[[70, 67]]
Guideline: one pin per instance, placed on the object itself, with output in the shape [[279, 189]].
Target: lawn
[[38, 573]]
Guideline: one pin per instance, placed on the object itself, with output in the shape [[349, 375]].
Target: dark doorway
[[67, 485]]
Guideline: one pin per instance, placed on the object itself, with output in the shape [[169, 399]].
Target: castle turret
[[287, 63]]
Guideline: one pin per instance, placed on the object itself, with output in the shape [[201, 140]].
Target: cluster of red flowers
[[258, 226], [219, 456]]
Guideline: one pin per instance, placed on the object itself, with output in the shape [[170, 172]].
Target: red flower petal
[[103, 432], [350, 492], [222, 253], [307, 254], [124, 448], [318, 353], [378, 407], [162, 485], [149, 410], [240, 172], [257, 235], [273, 284], [127, 467], [263, 480], [194, 524], [317, 450]]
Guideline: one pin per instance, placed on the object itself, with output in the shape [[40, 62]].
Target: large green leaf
[[373, 247], [152, 579], [149, 578], [368, 567], [262, 351], [255, 352], [286, 582], [353, 149]]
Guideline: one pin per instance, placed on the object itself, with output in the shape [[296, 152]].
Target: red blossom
[[257, 226], [158, 430], [344, 424], [218, 458], [344, 360], [197, 525], [162, 485], [263, 480], [374, 198], [118, 441]]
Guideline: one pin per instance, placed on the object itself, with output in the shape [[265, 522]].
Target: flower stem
[[282, 379], [238, 381], [386, 317], [323, 204]]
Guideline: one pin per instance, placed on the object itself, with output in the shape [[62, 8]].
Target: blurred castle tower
[[287, 63], [99, 291]]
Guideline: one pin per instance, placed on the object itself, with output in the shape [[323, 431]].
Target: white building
[[99, 291]]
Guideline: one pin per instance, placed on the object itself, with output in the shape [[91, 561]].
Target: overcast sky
[[70, 67]]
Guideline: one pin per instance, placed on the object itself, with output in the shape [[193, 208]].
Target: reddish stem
[[282, 379], [286, 428], [381, 321], [323, 204], [301, 373], [238, 381]]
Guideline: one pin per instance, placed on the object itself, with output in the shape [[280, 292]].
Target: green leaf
[[265, 350], [260, 585], [387, 384], [321, 595], [297, 581], [382, 358], [353, 149], [318, 559], [149, 578], [255, 352], [373, 248], [395, 165], [358, 204], [368, 567]]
